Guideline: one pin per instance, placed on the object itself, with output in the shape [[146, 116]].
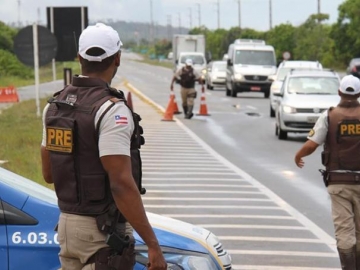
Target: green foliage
[[282, 37], [346, 31], [10, 66], [7, 35]]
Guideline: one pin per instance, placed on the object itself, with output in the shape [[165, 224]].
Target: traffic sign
[[286, 55], [24, 45]]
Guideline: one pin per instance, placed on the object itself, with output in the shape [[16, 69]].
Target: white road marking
[[203, 191], [270, 239], [268, 267], [199, 185], [205, 199], [198, 169], [251, 107], [186, 173], [200, 179], [231, 216], [283, 253], [184, 206], [252, 226]]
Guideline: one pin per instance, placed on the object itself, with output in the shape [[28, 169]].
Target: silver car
[[216, 74], [304, 95], [282, 70]]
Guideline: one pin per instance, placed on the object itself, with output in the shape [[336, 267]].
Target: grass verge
[[20, 136], [46, 74], [156, 62]]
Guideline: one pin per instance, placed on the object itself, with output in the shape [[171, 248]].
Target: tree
[[282, 37], [346, 31]]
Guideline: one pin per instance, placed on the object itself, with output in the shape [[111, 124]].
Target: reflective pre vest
[[81, 183], [342, 146]]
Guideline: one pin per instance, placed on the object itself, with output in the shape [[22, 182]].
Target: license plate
[[312, 119], [255, 88]]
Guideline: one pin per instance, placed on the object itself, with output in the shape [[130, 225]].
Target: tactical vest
[[81, 183], [187, 77], [342, 146]]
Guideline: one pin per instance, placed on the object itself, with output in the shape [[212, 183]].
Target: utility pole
[[270, 14], [318, 7], [151, 23], [239, 5], [190, 17], [19, 9], [169, 24], [179, 14], [218, 13], [199, 11]]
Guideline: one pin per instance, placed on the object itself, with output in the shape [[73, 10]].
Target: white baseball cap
[[350, 85], [188, 62], [99, 36]]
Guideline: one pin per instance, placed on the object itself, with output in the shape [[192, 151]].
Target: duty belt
[[344, 178]]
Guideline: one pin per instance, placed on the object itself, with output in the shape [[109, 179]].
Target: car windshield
[[313, 85], [219, 66], [254, 57], [27, 186], [282, 72], [197, 59]]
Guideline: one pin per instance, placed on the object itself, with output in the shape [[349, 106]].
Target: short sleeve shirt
[[116, 129], [319, 132]]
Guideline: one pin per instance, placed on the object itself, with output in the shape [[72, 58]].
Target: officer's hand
[[156, 260], [171, 87], [299, 162]]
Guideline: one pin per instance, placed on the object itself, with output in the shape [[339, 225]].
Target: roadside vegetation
[[20, 136]]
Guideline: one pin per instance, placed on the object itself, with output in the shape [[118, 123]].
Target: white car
[[282, 70], [305, 94], [216, 74]]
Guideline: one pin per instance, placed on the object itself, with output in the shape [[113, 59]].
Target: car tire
[[276, 130], [282, 135], [272, 112]]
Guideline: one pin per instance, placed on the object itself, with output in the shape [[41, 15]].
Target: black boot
[[348, 258], [189, 113], [357, 257], [185, 108]]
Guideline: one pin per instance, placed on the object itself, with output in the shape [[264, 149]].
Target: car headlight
[[204, 71], [288, 109], [238, 77], [181, 260], [191, 263]]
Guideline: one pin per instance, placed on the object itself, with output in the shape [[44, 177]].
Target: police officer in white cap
[[87, 152], [339, 130]]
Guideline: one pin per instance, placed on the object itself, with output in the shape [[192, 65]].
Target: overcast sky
[[254, 13]]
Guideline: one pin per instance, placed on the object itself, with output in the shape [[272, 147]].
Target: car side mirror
[[229, 62], [176, 61]]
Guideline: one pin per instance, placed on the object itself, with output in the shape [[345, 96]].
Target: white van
[[250, 65]]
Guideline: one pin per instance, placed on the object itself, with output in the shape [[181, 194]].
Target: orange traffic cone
[[129, 101], [176, 108], [203, 108], [169, 113]]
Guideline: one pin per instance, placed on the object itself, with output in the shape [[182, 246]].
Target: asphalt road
[[241, 131], [229, 173]]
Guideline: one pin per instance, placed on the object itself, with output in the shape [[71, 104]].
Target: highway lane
[[229, 173], [241, 130]]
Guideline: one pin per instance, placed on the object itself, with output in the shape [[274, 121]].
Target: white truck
[[189, 47]]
